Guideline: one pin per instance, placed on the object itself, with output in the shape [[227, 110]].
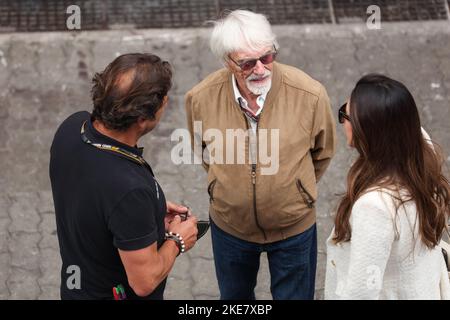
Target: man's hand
[[147, 267], [187, 229], [174, 210]]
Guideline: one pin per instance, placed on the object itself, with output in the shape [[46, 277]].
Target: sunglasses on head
[[249, 64], [342, 115]]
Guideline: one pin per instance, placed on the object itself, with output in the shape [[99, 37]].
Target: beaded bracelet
[[178, 240]]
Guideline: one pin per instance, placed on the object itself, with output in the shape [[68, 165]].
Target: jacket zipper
[[254, 200], [308, 200], [255, 212]]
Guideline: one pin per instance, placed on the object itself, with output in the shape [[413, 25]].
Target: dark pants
[[292, 264]]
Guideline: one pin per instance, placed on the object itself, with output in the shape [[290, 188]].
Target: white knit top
[[384, 259]]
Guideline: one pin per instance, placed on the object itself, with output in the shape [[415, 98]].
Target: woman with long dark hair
[[391, 219]]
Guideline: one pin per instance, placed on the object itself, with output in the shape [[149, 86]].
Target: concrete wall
[[44, 77]]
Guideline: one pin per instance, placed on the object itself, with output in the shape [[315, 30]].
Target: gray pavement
[[44, 77]]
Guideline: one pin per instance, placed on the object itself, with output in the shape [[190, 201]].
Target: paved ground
[[45, 77]]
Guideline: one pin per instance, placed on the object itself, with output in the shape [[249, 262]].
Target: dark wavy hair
[[393, 154], [133, 86]]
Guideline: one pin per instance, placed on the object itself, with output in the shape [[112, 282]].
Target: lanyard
[[106, 147]]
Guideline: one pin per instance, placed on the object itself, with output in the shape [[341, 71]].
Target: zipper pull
[[253, 174]]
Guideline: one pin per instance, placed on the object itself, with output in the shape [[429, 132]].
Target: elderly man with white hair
[[253, 210]]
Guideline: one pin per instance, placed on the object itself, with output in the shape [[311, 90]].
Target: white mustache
[[259, 77]]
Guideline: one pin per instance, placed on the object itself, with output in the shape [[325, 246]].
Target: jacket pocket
[[306, 196], [211, 190]]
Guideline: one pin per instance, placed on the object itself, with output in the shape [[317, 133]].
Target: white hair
[[241, 30]]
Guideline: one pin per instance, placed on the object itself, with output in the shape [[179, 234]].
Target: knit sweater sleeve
[[370, 246]]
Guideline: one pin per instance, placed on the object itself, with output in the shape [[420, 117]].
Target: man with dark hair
[[113, 222]]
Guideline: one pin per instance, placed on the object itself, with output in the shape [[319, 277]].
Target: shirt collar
[[237, 95], [98, 137]]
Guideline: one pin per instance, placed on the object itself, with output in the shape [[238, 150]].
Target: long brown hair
[[394, 154]]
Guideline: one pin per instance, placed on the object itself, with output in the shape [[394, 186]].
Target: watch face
[[202, 227]]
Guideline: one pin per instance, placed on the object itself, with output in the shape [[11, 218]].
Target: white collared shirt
[[244, 104], [253, 124]]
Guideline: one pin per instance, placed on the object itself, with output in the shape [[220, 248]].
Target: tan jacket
[[243, 202]]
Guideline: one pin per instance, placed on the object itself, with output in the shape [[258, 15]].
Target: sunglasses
[[246, 65], [342, 115]]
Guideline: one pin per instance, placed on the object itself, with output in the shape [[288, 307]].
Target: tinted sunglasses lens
[[248, 65], [341, 113], [268, 58]]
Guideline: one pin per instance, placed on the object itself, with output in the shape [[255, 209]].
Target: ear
[[141, 122], [165, 101]]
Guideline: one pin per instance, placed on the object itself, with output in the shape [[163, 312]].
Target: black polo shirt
[[103, 202]]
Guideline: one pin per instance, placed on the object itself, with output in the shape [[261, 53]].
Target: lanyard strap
[[106, 147]]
